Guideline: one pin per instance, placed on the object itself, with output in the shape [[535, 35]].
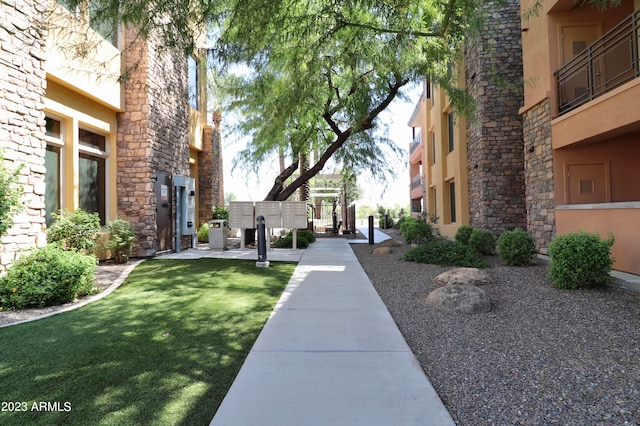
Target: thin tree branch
[[387, 30], [342, 137]]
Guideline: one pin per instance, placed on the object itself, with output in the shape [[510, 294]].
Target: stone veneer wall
[[493, 62], [210, 177], [22, 89], [153, 133], [539, 174]]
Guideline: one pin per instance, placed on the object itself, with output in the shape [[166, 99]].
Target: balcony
[[417, 187], [608, 63], [415, 149]]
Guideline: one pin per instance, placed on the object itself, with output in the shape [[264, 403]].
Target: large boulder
[[460, 298], [381, 250], [392, 242], [462, 276]]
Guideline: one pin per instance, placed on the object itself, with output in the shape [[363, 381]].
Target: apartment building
[[470, 170], [581, 122], [105, 122]]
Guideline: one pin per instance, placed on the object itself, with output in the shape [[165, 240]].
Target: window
[[101, 21], [452, 201], [451, 133], [53, 166], [92, 173], [52, 182], [194, 83], [433, 147], [97, 13], [433, 101]]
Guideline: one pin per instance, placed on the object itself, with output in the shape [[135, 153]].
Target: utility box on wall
[[186, 204]]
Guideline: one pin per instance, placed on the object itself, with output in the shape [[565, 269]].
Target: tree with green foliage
[[309, 77]]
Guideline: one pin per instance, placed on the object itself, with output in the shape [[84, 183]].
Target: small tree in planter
[[121, 238]]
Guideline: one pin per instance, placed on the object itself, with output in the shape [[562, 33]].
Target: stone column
[[539, 174], [495, 156], [22, 124]]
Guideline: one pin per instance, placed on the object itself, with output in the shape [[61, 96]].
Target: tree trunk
[[305, 190], [278, 185], [280, 193]]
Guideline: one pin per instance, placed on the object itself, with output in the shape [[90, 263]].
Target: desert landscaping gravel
[[540, 356]]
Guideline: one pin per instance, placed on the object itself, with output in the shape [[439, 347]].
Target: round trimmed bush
[[416, 231], [516, 248], [47, 276], [463, 233], [580, 259], [482, 241], [307, 235]]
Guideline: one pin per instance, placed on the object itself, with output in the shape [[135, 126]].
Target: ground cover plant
[[163, 349], [443, 252]]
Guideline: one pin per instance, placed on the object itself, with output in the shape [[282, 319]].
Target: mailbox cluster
[[277, 214]]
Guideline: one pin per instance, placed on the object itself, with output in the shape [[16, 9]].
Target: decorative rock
[[381, 250], [462, 276], [460, 298], [390, 243]]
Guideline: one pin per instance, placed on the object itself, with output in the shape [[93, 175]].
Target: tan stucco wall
[[623, 223], [621, 156]]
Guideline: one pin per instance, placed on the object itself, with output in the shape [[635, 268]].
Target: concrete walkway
[[330, 354]]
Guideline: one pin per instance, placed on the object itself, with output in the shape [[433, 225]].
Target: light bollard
[[262, 244], [370, 229]]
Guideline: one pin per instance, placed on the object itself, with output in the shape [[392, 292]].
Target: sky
[[249, 187]]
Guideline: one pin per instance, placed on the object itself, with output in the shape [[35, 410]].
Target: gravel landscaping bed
[[541, 356]]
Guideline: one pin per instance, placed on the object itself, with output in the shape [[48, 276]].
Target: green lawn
[[162, 349]]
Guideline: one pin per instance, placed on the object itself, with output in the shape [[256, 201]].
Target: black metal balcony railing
[[416, 182], [609, 62], [415, 144]]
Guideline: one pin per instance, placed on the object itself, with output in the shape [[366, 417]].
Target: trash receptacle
[[218, 234]]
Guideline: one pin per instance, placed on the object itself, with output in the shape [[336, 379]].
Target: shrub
[[580, 259], [463, 233], [220, 213], [386, 224], [400, 221], [77, 231], [10, 193], [308, 235], [482, 241], [287, 241], [47, 276], [121, 238], [516, 248], [416, 231], [445, 253], [203, 233]]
